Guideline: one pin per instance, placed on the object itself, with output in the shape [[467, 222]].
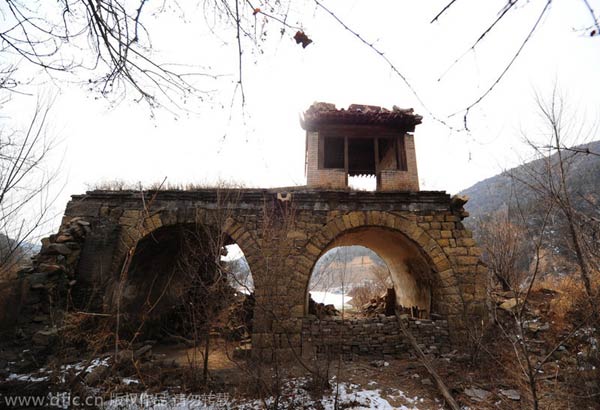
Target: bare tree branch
[[437, 16], [508, 66]]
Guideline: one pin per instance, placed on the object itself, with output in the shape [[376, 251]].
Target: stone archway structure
[[396, 240], [282, 233]]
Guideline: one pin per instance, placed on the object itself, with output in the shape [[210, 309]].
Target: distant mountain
[[502, 190], [14, 255], [514, 191], [349, 266], [240, 276]]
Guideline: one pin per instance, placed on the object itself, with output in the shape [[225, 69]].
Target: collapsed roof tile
[[321, 113]]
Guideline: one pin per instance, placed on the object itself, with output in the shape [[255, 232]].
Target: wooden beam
[[320, 151], [376, 153], [401, 153], [346, 163], [396, 152]]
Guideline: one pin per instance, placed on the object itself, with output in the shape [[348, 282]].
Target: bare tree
[[111, 39], [592, 26], [551, 182], [25, 182], [110, 42], [544, 209], [504, 248], [206, 290]]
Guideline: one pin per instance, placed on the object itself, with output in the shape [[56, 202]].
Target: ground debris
[[511, 394], [477, 394]]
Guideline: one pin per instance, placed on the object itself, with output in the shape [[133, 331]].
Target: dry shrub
[[8, 274], [571, 301], [122, 185], [87, 333]]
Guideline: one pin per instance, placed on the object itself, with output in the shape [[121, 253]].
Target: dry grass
[[570, 299], [121, 185], [87, 332], [8, 274]]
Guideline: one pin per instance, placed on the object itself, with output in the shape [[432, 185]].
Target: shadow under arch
[[404, 236], [165, 269], [410, 273]]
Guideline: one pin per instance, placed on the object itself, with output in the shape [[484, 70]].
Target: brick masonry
[[316, 176], [282, 234], [394, 180], [388, 180], [378, 336]]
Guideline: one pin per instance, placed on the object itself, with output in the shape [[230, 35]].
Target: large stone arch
[[447, 292]]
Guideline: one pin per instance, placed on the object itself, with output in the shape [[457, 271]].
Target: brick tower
[[363, 140]]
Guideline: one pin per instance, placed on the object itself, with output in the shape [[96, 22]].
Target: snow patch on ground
[[294, 396], [339, 300], [26, 377], [343, 395], [44, 374]]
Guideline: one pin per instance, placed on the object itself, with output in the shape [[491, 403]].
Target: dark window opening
[[384, 145], [333, 152], [402, 165], [361, 156], [387, 154]]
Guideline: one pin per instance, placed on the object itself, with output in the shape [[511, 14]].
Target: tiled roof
[[320, 114]]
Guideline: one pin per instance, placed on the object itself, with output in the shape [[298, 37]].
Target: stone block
[[475, 251], [312, 249], [467, 260], [297, 235], [448, 226]]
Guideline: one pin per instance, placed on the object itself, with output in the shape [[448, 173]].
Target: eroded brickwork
[[383, 144], [395, 180], [282, 235], [378, 336], [316, 176]]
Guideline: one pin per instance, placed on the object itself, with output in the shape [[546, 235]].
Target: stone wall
[[44, 288], [282, 234], [378, 336], [318, 177], [387, 180], [395, 180]]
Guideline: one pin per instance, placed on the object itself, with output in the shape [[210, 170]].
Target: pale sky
[[264, 147]]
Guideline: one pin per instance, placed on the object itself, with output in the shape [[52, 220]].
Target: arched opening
[[376, 257], [191, 285], [236, 265], [345, 279], [362, 182]]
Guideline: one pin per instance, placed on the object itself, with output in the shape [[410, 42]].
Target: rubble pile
[[374, 307], [386, 305], [381, 305], [51, 273], [240, 315], [321, 310]]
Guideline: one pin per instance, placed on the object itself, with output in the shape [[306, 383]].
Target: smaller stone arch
[[445, 290], [137, 227]]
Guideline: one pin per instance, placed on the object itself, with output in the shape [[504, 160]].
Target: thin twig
[[239, 43], [442, 12], [391, 65], [589, 7], [508, 66]]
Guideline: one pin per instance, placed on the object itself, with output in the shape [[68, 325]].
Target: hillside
[[583, 179], [347, 265], [519, 197]]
